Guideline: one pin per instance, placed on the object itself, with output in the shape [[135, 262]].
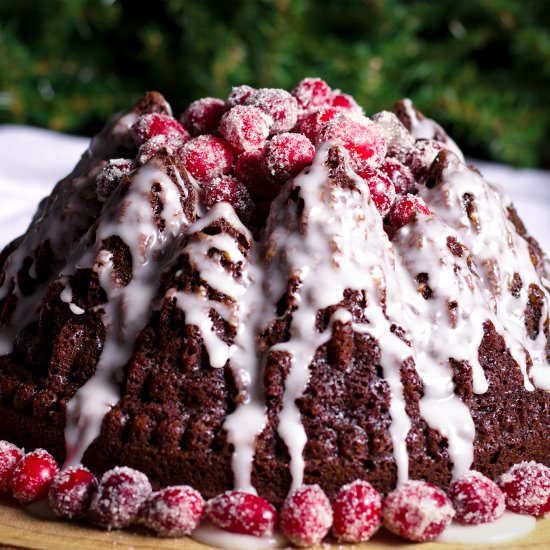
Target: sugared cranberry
[[345, 102], [311, 122], [399, 140], [357, 512], [206, 157], [306, 516], [170, 145], [399, 174], [278, 104], [173, 511], [238, 96], [111, 175], [526, 487], [203, 115], [71, 491], [476, 499], [286, 155], [245, 128], [250, 169], [421, 156], [33, 475], [404, 207], [417, 511], [243, 513], [231, 190], [10, 455], [381, 188], [155, 124], [119, 498], [363, 139], [312, 92]]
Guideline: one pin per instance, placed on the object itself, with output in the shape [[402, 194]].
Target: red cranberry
[[231, 190], [206, 157], [278, 104], [311, 122], [526, 487], [250, 169], [111, 175], [173, 511], [421, 156], [400, 175], [119, 498], [33, 475], [238, 96], [170, 145], [245, 128], [403, 209], [381, 188], [357, 512], [286, 155], [71, 491], [363, 139], [306, 516], [242, 513], [203, 115], [476, 499], [10, 455], [345, 102], [312, 92], [417, 511], [155, 124]]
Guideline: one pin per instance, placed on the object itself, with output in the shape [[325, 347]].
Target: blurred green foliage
[[482, 68]]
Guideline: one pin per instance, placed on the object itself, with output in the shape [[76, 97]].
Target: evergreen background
[[482, 68]]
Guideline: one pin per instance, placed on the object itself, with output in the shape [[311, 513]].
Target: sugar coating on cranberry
[[399, 174], [286, 155], [306, 516], [238, 96], [242, 513], [206, 157], [382, 190], [169, 144], [154, 124], [245, 128], [363, 139], [312, 121], [203, 115], [345, 102], [10, 455], [228, 189], [417, 511], [111, 175], [173, 511], [421, 156], [476, 499], [71, 491], [278, 104], [398, 139], [33, 475], [250, 169], [526, 487], [119, 498], [312, 92], [404, 208], [357, 512]]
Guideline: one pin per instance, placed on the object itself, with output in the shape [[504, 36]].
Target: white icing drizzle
[[127, 307], [206, 533], [498, 253]]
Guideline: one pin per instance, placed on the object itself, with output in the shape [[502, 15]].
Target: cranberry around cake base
[[276, 291]]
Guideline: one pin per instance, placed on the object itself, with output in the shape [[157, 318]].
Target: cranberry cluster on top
[[416, 510], [242, 150]]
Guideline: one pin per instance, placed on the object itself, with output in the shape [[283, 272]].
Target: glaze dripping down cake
[[276, 291]]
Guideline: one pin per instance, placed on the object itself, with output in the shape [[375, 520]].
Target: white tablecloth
[[32, 160]]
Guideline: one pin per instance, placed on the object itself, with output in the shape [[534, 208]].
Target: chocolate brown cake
[[388, 319]]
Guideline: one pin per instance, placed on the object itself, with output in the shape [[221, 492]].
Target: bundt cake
[[276, 291]]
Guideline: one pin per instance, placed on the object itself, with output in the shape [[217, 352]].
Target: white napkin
[[32, 160]]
